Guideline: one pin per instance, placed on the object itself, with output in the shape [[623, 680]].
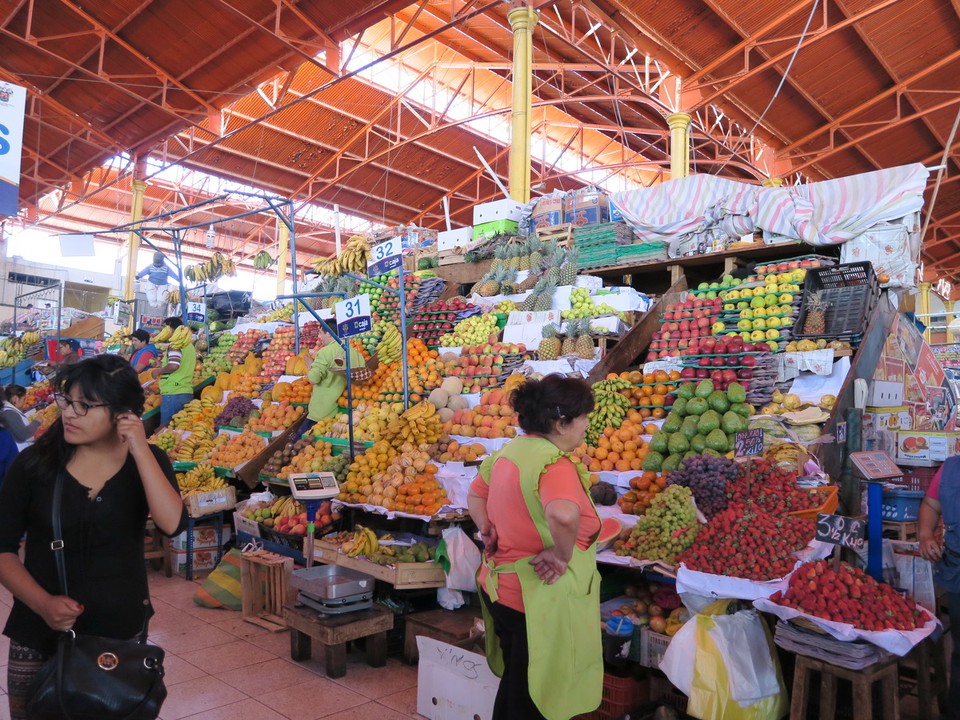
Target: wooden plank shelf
[[403, 576]]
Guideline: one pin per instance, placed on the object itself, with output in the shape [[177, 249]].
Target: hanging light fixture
[[211, 236]]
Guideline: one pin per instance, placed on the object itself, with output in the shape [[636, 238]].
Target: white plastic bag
[[464, 559]]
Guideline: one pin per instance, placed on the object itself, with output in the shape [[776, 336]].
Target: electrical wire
[[783, 80]]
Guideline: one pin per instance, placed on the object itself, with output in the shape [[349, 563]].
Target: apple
[[688, 373], [702, 374]]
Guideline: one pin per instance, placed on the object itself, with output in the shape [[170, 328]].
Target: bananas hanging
[[173, 297], [30, 338], [216, 267], [262, 260], [353, 258], [163, 335], [181, 337], [390, 345]]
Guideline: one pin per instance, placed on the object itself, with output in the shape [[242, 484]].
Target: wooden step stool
[[906, 531], [155, 547], [335, 631], [926, 667], [884, 672], [449, 626], [265, 582]]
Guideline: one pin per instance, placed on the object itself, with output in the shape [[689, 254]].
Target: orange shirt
[[517, 535]]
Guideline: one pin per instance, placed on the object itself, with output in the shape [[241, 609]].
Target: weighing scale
[[328, 589], [311, 489]]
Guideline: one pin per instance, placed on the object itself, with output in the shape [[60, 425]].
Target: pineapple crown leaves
[[549, 331]]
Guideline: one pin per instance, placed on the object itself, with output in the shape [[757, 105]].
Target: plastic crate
[[652, 647], [851, 290], [916, 478], [901, 505], [621, 695], [830, 495], [663, 692]]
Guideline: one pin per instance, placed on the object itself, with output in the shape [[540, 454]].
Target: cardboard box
[[451, 239], [885, 394], [919, 448], [204, 537], [206, 503], [203, 559], [246, 525], [497, 210], [453, 684], [587, 207], [547, 212], [495, 227], [915, 575]]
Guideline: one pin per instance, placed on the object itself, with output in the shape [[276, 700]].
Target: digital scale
[[328, 589]]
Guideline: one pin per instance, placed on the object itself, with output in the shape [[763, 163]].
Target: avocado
[[742, 409], [672, 463], [717, 441], [672, 423], [732, 423], [703, 389], [686, 391], [658, 443], [709, 422], [689, 427], [678, 444], [653, 461], [698, 443], [679, 407], [717, 400], [697, 406], [736, 393]]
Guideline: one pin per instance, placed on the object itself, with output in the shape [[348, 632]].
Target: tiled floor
[[219, 667]]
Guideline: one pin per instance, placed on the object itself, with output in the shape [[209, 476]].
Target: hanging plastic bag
[[460, 559], [735, 674]]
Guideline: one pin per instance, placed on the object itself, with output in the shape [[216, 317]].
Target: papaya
[[697, 406], [703, 389], [736, 393], [718, 401]]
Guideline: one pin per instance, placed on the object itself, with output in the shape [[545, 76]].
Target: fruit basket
[[831, 501], [901, 505]]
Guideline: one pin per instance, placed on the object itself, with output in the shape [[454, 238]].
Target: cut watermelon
[[610, 529]]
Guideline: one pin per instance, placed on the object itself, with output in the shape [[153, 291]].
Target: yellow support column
[[522, 21], [283, 253], [924, 309], [679, 145], [133, 241], [772, 182], [948, 317]]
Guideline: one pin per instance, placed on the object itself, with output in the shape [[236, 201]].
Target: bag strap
[[56, 546]]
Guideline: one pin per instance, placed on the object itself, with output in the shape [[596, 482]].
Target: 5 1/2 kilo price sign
[[353, 316], [385, 256]]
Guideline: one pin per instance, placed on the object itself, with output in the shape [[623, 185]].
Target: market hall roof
[[872, 85]]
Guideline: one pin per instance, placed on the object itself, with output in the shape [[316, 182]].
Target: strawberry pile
[[849, 595], [770, 487], [744, 541]]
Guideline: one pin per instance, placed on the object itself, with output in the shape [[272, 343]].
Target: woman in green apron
[[539, 582]]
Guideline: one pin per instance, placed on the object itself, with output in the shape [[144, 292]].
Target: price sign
[[196, 312], [353, 316], [748, 442], [385, 257], [840, 530]]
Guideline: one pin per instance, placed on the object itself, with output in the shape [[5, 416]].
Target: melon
[[457, 402], [439, 398], [610, 530], [452, 386], [446, 414]]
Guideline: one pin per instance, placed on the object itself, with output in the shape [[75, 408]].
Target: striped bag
[[222, 587]]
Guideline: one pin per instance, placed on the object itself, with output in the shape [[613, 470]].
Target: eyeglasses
[[80, 408]]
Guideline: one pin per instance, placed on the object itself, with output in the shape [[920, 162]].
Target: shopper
[[943, 499], [157, 274], [112, 479], [144, 351], [538, 581], [327, 373], [176, 375], [12, 418]]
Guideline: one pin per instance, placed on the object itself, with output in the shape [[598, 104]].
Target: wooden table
[[335, 631]]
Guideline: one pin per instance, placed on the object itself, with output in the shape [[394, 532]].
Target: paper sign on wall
[[12, 103]]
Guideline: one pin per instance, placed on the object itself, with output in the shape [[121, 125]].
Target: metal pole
[[403, 336], [346, 352]]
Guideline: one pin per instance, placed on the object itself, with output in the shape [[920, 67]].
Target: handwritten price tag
[[841, 530], [748, 442]]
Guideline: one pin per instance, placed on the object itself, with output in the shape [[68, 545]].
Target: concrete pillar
[[923, 311], [679, 145], [283, 254], [522, 21], [133, 240]]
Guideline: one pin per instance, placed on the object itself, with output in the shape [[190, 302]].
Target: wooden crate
[[563, 234], [403, 576], [265, 580]]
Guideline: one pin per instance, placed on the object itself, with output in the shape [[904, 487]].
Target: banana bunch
[[286, 506], [419, 425], [390, 345], [610, 407], [364, 542], [216, 267], [163, 335], [118, 337], [32, 337], [787, 454], [281, 314], [353, 258], [11, 352], [196, 413], [197, 446], [172, 297], [181, 337], [198, 480], [262, 260]]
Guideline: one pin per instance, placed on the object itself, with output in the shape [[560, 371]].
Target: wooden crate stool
[[155, 548], [926, 665], [884, 672], [265, 581], [335, 631], [906, 531], [449, 626]]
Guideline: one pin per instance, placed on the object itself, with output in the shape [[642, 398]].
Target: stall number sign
[[748, 442], [841, 530], [353, 316], [385, 257], [196, 312]]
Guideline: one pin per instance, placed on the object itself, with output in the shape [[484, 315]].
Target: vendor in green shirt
[[176, 371], [327, 373]]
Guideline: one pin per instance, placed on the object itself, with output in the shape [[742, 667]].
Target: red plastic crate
[[620, 696]]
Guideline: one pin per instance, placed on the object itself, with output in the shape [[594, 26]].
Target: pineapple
[[530, 281], [569, 346], [550, 345], [544, 299], [816, 320], [514, 257], [499, 258], [584, 341], [568, 270], [533, 247], [524, 256], [490, 283]]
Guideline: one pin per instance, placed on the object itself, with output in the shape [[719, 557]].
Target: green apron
[[565, 674]]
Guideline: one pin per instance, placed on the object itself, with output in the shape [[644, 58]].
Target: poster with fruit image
[[928, 370], [910, 341], [894, 369]]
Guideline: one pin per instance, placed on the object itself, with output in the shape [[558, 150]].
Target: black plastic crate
[[851, 291]]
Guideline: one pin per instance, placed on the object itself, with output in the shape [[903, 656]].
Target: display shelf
[[403, 576]]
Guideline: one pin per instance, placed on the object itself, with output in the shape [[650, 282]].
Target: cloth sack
[[222, 588]]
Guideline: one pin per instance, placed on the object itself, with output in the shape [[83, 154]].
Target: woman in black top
[[113, 478]]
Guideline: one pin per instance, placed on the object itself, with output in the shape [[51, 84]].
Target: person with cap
[[144, 351], [157, 274]]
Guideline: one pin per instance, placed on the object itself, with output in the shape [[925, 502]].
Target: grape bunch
[[236, 407], [707, 476], [667, 529]]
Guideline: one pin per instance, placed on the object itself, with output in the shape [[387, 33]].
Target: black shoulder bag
[[96, 678]]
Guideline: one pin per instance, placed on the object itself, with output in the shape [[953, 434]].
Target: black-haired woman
[[112, 478], [539, 581], [12, 418]]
